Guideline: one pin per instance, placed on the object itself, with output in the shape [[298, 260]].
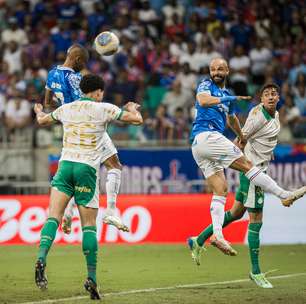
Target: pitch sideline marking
[[147, 290]]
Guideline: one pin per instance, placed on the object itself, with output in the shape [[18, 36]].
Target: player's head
[[78, 57], [218, 70], [269, 95], [92, 86]]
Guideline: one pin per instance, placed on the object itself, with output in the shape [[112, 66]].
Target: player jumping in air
[[84, 122], [63, 83], [260, 130], [213, 152]]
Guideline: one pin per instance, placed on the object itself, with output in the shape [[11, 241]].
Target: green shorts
[[78, 180], [251, 196]]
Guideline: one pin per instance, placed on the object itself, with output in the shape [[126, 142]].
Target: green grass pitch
[[126, 268]]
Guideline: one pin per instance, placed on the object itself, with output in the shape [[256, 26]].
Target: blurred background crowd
[[166, 47]]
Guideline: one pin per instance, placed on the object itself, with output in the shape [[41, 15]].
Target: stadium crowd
[[166, 47]]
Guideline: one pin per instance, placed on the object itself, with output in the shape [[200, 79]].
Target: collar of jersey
[[87, 99], [266, 114], [60, 67]]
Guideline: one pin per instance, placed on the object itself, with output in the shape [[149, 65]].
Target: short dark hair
[[90, 83], [268, 86]]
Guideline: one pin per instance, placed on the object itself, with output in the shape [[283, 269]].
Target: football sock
[[90, 250], [253, 240], [204, 235], [217, 214], [113, 181], [258, 178], [47, 237], [69, 208]]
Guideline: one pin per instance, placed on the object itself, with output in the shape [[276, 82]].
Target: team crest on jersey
[[236, 149]]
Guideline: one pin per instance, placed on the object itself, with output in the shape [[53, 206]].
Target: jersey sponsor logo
[[55, 85], [82, 189]]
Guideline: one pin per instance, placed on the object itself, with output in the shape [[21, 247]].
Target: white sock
[[217, 214], [69, 208], [113, 180], [258, 178]]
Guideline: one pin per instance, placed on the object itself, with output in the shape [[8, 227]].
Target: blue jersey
[[212, 118], [65, 84]]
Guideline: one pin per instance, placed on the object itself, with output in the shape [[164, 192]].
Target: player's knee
[[221, 190], [113, 163]]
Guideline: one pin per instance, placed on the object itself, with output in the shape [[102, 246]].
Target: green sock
[[204, 235], [90, 250], [47, 237], [253, 240]]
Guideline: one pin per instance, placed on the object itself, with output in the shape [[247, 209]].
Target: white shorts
[[108, 149], [213, 152]]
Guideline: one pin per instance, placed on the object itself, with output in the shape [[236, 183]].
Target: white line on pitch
[[147, 290]]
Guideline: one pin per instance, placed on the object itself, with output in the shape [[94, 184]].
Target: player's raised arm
[[43, 118], [206, 100], [131, 115]]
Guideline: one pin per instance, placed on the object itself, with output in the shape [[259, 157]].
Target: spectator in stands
[[176, 98], [260, 56], [173, 8], [153, 94], [17, 112], [163, 125], [187, 78], [241, 32], [293, 124], [298, 66], [299, 93], [239, 65], [14, 33], [13, 56], [61, 37], [181, 127], [191, 56]]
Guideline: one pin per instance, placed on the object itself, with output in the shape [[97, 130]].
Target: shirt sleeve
[[57, 114], [204, 87], [253, 123], [111, 112]]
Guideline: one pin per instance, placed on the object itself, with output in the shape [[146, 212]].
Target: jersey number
[[77, 136]]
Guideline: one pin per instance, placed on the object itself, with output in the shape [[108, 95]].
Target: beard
[[218, 79]]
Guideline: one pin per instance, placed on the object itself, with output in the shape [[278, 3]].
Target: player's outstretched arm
[[43, 118], [131, 114], [206, 100]]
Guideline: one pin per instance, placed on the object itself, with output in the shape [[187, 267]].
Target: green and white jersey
[[85, 123], [261, 131]]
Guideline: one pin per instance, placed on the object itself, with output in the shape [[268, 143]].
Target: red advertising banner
[[152, 218]]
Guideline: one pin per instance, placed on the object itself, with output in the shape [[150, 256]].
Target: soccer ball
[[106, 43]]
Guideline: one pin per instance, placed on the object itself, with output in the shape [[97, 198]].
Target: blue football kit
[[212, 118], [64, 82]]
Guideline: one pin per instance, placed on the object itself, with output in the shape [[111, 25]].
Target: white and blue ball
[[106, 43]]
